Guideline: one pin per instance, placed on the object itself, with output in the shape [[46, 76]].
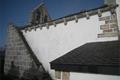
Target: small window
[[58, 74]]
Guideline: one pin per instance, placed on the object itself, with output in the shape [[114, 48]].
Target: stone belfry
[[39, 15], [20, 60]]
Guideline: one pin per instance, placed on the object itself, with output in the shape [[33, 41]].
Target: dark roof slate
[[97, 53]]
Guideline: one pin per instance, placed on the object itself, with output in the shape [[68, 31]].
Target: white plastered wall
[[85, 76], [49, 44]]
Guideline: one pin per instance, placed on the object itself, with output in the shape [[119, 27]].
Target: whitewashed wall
[[118, 12], [85, 76], [49, 44]]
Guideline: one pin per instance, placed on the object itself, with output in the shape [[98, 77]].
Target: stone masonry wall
[[110, 27], [18, 61]]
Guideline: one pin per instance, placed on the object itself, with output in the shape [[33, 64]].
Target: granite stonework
[[38, 43], [110, 27], [19, 63]]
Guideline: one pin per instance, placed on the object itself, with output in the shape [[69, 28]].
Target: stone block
[[108, 35], [110, 21], [58, 74], [104, 27], [109, 30], [65, 76], [113, 26], [105, 18], [113, 17], [115, 30]]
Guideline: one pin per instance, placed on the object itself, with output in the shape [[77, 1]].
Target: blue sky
[[18, 11]]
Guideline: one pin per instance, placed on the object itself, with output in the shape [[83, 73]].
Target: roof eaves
[[71, 17]]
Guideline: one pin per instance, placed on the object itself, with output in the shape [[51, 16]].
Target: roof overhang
[[103, 56]]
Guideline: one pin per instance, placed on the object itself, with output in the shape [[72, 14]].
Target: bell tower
[[39, 15]]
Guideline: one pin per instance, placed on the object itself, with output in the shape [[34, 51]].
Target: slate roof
[[90, 54]]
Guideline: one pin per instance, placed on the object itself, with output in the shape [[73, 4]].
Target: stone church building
[[80, 46]]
